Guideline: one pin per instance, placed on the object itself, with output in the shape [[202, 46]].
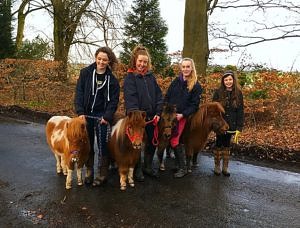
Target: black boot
[[102, 172], [148, 159], [179, 156], [89, 176], [138, 172]]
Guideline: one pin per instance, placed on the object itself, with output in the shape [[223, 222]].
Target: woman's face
[[141, 63], [186, 68], [228, 82], [102, 62]]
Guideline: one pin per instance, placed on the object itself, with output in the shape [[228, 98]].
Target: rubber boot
[[138, 172], [195, 160], [217, 158], [89, 176], [179, 156], [226, 154], [148, 160], [102, 172]]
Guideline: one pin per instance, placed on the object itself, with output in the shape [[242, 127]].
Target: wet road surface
[[33, 195]]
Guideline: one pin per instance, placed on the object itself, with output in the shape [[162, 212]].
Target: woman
[[184, 92], [96, 99], [141, 92], [230, 96]]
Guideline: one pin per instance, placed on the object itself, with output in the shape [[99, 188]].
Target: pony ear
[[129, 114]]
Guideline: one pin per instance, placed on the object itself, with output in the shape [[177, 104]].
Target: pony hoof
[[217, 173], [162, 167], [123, 188], [195, 165], [68, 187], [131, 185], [80, 183], [226, 174], [189, 171]]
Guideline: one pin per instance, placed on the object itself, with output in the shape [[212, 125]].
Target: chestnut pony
[[198, 127], [125, 144]]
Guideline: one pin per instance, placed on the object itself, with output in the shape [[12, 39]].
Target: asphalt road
[[33, 195]]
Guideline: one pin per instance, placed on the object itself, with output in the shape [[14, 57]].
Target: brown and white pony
[[68, 139], [125, 144], [166, 123], [198, 127]]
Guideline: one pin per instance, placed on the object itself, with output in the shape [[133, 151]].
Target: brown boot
[[102, 172], [217, 158], [226, 154]]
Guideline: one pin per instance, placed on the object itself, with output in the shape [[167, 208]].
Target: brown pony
[[166, 123], [198, 127], [125, 144], [68, 139]]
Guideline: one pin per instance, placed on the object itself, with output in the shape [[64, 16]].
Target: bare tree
[[265, 28], [26, 7]]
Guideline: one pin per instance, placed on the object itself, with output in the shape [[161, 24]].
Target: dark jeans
[[150, 148]]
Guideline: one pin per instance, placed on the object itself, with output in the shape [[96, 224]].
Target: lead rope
[[155, 140], [99, 141]]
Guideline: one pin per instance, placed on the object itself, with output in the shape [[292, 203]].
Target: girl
[[230, 96], [141, 92], [184, 92], [96, 99]]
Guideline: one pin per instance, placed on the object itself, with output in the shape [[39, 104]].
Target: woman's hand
[[179, 116], [156, 117], [103, 121]]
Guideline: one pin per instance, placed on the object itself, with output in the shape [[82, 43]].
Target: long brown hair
[[236, 90], [110, 54]]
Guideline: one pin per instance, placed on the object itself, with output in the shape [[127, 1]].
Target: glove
[[236, 137]]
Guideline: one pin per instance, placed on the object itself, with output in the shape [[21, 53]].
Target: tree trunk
[[65, 24], [196, 34]]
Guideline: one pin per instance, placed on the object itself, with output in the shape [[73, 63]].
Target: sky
[[280, 55]]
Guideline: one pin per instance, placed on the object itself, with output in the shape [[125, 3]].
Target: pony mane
[[169, 108], [199, 117], [76, 128]]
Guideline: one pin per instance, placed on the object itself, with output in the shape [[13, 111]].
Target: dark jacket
[[186, 102], [142, 93], [233, 116], [84, 93]]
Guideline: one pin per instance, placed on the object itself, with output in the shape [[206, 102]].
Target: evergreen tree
[[144, 25], [6, 42]]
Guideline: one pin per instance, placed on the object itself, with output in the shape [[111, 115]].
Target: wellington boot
[[102, 172], [226, 154], [217, 159], [179, 157], [138, 172]]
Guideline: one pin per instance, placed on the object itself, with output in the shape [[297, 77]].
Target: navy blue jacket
[[186, 102], [84, 93], [142, 93], [233, 116]]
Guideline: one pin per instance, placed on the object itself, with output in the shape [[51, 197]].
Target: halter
[[134, 137]]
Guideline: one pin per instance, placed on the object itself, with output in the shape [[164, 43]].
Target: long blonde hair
[[192, 80]]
